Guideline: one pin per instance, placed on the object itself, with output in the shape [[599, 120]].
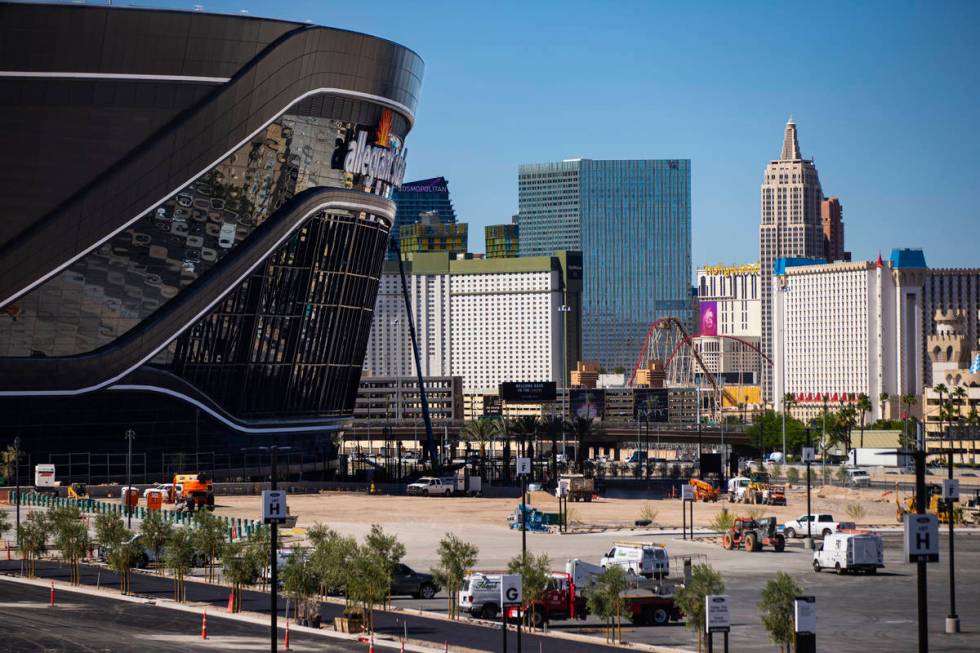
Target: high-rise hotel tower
[[790, 227]]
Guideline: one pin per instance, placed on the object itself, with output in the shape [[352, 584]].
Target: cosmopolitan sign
[[374, 162]]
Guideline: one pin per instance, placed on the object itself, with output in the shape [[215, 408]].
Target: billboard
[[491, 406], [650, 405], [528, 391], [709, 319], [587, 404]]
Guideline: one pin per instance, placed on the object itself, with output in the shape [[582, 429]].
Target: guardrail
[[237, 527]]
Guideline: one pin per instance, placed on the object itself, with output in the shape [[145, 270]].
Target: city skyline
[[880, 107]]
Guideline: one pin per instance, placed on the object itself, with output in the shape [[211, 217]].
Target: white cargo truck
[[850, 552], [647, 559]]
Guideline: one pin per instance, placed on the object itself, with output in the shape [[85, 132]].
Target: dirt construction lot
[[420, 522]]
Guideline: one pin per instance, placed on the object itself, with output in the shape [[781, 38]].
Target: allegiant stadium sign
[[374, 162]]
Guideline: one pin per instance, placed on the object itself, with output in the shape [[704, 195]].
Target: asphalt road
[[855, 614], [436, 631], [80, 622]]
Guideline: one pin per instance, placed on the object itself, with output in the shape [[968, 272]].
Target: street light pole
[[564, 309], [274, 557], [130, 434], [809, 511], [952, 620], [17, 483]]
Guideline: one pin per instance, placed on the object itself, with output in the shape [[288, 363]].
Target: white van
[[858, 477], [480, 595], [639, 558], [847, 552], [737, 487]]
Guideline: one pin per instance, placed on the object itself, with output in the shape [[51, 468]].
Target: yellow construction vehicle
[[934, 506], [77, 491], [704, 491]]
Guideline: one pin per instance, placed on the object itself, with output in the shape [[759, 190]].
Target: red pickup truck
[[562, 600]]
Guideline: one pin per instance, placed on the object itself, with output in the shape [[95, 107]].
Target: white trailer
[[876, 457], [44, 476]]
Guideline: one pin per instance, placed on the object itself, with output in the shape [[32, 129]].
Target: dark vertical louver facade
[[198, 232]]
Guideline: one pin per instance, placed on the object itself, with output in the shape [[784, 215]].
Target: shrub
[[855, 511], [792, 475], [604, 598], [455, 558], [722, 521], [648, 513]]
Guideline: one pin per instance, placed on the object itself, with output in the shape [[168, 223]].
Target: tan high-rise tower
[[790, 228]]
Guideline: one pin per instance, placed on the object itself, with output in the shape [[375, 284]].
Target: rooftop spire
[[791, 147]]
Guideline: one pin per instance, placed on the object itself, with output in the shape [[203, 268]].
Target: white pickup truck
[[822, 526], [432, 486]]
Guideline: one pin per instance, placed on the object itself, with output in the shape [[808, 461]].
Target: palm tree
[[863, 406], [941, 389], [907, 401], [958, 396], [553, 427], [483, 432], [584, 429], [526, 429], [883, 399]]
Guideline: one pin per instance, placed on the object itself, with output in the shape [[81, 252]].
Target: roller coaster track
[[686, 341]]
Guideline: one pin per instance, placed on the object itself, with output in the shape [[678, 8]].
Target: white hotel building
[[485, 320], [843, 329]]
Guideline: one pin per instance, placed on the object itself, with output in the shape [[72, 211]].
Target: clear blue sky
[[886, 97]]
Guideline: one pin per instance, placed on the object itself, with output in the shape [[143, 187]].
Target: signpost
[[274, 506], [805, 624], [511, 594], [523, 471], [717, 618], [808, 458], [921, 538], [687, 496], [951, 489], [562, 493]]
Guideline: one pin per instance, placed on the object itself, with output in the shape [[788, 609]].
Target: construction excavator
[[934, 506], [704, 491]]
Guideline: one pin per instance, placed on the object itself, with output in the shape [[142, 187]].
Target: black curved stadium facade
[[192, 234]]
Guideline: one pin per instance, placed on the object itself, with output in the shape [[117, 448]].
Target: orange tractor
[[751, 534], [704, 491]]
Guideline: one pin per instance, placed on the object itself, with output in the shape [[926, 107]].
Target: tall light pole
[[17, 483], [563, 310], [130, 434], [783, 290]]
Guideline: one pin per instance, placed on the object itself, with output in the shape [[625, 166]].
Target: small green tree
[[240, 570], [841, 474], [387, 547], [178, 558], [5, 524], [33, 540], [61, 517], [777, 471], [7, 467], [122, 558], [776, 609], [368, 583], [331, 559], [535, 572], [208, 536], [299, 581], [71, 538], [154, 532], [109, 531], [792, 475], [705, 581], [605, 599], [455, 558]]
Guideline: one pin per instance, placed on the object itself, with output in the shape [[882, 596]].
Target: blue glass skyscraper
[[632, 222], [417, 197]]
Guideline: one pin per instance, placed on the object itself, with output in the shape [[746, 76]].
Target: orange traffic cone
[[52, 594], [286, 646], [204, 625], [402, 648], [371, 645], [231, 601]]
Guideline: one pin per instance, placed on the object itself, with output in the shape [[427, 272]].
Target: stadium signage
[[374, 162]]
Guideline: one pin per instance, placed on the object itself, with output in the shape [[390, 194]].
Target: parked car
[[850, 552], [406, 581], [429, 486], [822, 525]]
